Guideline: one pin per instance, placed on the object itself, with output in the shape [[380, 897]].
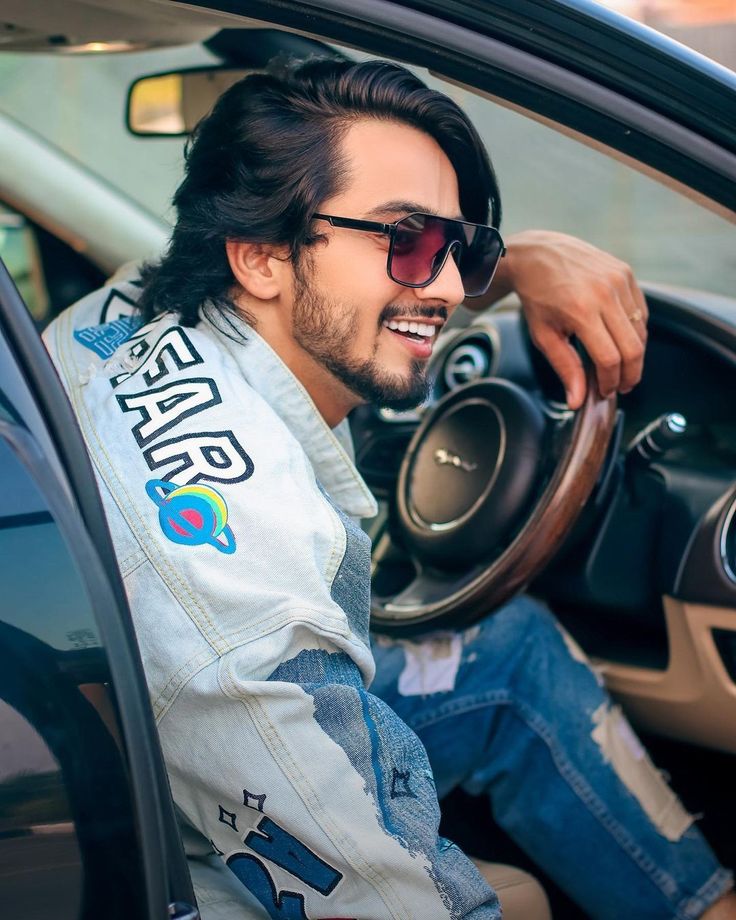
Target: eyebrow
[[403, 207]]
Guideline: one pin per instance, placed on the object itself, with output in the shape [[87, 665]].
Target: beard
[[324, 329]]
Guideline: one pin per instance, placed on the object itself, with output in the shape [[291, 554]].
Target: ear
[[260, 269]]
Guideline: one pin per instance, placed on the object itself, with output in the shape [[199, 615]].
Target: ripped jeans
[[511, 709]]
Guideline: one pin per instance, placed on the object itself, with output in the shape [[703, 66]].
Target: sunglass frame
[[390, 229]]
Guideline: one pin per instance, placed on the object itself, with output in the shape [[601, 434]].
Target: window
[[19, 251], [553, 181]]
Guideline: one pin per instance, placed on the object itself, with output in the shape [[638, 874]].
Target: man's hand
[[568, 287]]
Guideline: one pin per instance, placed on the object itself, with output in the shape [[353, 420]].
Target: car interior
[[644, 577]]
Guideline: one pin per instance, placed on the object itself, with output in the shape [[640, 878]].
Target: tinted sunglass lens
[[418, 242], [478, 261], [421, 242]]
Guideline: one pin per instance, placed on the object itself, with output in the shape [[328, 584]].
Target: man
[[321, 211]]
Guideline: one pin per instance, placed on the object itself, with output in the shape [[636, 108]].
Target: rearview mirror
[[171, 104]]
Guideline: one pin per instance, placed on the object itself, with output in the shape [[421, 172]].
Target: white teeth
[[423, 329]]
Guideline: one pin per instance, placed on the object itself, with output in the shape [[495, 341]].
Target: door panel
[[75, 711]]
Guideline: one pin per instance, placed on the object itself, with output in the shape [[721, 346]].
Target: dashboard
[[650, 531]]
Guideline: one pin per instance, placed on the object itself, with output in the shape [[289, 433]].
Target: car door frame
[[50, 422]]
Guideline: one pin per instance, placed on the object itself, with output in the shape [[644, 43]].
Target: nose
[[447, 286]]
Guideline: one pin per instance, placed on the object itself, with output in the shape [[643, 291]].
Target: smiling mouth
[[416, 331]]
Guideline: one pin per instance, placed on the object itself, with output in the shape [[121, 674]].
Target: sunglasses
[[420, 244]]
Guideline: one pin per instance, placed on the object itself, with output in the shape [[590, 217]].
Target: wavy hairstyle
[[260, 164]]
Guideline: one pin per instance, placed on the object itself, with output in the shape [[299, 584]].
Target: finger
[[629, 341], [639, 307], [565, 361], [604, 353]]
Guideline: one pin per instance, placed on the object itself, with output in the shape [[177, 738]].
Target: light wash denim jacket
[[232, 508]]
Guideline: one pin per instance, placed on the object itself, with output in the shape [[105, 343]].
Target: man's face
[[348, 317]]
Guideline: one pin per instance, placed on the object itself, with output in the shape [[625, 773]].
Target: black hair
[[260, 164]]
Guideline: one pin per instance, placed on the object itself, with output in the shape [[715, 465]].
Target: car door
[[87, 826]]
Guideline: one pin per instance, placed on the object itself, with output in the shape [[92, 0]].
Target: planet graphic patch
[[192, 515]]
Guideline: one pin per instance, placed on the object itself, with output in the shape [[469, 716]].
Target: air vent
[[728, 542], [471, 358]]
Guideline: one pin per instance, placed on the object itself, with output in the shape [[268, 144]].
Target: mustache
[[413, 312]]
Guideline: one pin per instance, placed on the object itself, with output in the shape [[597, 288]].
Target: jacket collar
[[330, 451]]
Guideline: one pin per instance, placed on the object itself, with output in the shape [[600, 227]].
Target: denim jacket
[[232, 507]]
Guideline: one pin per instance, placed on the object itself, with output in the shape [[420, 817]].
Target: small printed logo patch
[[104, 340], [192, 515]]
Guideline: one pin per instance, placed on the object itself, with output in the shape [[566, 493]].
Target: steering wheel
[[489, 487]]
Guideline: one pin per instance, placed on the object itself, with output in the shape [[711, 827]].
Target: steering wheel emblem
[[443, 457]]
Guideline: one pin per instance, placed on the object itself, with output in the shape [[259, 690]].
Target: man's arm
[[315, 794], [569, 288]]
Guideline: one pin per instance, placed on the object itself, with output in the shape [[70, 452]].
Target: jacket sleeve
[[315, 794]]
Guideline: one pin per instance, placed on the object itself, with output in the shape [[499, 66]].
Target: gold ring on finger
[[635, 316]]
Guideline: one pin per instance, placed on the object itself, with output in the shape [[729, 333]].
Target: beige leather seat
[[520, 894]]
